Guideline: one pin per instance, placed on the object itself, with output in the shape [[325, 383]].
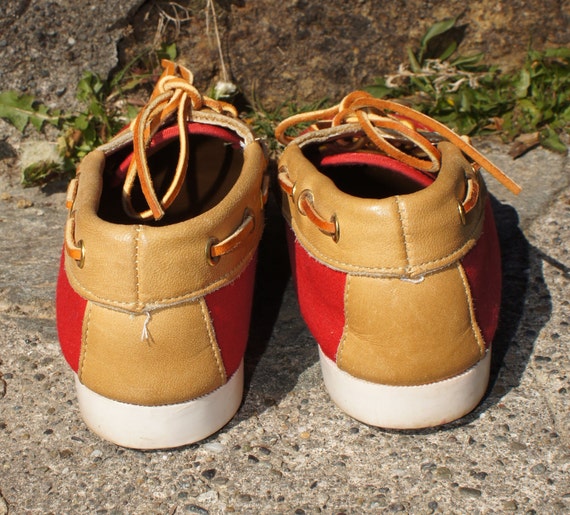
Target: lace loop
[[384, 122], [215, 248], [173, 93]]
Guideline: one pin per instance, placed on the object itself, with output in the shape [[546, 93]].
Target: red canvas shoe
[[156, 281], [396, 259]]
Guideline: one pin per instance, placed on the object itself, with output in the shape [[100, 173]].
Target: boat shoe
[[395, 257], [156, 282]]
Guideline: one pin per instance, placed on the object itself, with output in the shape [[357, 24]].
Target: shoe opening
[[367, 174], [214, 165]]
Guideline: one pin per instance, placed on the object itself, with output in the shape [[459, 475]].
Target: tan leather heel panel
[[109, 247], [136, 267], [435, 234], [401, 333], [168, 358], [173, 258], [403, 235]]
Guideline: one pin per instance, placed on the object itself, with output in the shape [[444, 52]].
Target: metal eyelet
[[81, 261], [264, 194], [293, 192], [302, 195], [248, 213], [212, 260], [336, 235], [461, 210]]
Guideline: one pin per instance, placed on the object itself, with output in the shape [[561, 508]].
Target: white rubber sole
[[160, 427], [406, 407]]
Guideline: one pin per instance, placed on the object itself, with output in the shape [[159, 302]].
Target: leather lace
[[174, 92], [397, 131], [387, 124]]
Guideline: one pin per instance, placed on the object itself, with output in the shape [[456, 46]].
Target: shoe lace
[[387, 124], [391, 128], [174, 93]]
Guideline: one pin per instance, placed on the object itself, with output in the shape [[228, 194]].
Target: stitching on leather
[[342, 342], [138, 229], [85, 339], [456, 254], [165, 302], [472, 320], [213, 341], [403, 216]]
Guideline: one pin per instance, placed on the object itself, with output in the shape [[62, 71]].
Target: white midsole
[[406, 407], [160, 427]]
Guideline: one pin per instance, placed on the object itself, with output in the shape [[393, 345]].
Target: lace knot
[[174, 93], [391, 128]]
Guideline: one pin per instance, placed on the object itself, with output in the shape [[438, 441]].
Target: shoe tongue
[[170, 134], [419, 177]]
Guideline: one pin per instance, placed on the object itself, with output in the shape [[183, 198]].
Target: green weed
[[530, 105], [474, 98], [107, 107]]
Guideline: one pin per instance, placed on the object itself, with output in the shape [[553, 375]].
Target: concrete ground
[[289, 449]]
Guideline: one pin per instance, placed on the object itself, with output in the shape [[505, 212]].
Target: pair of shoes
[[392, 245]]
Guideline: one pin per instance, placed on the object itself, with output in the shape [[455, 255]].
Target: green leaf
[[20, 110], [414, 63], [40, 172], [448, 51], [464, 61], [522, 85], [436, 29], [550, 139], [562, 52], [81, 122], [171, 51], [531, 110]]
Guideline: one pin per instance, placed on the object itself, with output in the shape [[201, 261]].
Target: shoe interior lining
[[213, 168], [368, 175]]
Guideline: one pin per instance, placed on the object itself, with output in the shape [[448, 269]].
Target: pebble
[[215, 447], [194, 508], [510, 505], [24, 203], [3, 506], [209, 474], [538, 469], [209, 496], [443, 472], [481, 476], [469, 492], [65, 453]]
